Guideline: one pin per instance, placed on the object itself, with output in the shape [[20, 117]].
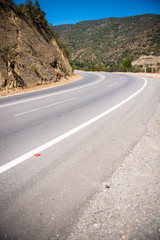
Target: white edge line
[[50, 105], [30, 154], [101, 78], [38, 90]]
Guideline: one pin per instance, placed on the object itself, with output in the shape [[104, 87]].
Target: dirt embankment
[[62, 81], [28, 56]]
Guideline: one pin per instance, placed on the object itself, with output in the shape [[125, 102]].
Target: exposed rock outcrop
[[28, 56], [147, 60]]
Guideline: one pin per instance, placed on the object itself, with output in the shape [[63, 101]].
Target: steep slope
[[28, 55], [108, 41]]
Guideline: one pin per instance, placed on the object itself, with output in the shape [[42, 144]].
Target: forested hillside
[[104, 44]]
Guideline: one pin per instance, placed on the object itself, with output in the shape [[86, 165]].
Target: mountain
[[30, 55], [106, 42]]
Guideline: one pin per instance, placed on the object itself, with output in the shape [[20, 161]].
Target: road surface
[[80, 134]]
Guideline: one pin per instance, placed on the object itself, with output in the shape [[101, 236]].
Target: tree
[[127, 62], [28, 5], [37, 5]]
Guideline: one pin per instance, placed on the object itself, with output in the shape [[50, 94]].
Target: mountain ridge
[[106, 42], [99, 19]]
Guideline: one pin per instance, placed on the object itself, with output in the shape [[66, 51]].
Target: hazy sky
[[73, 11]]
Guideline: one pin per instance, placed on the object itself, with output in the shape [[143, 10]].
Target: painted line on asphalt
[[113, 84], [100, 79], [50, 105], [30, 154]]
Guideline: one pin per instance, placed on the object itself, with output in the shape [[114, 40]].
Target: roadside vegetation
[[125, 66]]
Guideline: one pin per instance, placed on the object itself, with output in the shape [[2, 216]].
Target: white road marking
[[30, 154], [50, 105], [101, 78], [113, 84]]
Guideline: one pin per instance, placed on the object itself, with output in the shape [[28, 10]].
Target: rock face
[[147, 60], [28, 56]]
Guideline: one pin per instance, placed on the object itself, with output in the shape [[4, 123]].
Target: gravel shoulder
[[150, 75], [128, 206]]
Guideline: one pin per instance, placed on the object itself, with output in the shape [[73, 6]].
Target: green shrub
[[149, 69], [35, 68], [63, 47], [127, 62]]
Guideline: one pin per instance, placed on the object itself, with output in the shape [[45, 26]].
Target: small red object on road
[[37, 155]]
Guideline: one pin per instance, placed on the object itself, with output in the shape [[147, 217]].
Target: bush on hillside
[[127, 62]]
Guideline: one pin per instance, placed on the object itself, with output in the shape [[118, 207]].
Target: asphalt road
[[82, 132]]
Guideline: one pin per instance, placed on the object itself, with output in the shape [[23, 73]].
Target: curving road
[[81, 132]]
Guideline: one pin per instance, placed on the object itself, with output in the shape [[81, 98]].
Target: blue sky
[[67, 12]]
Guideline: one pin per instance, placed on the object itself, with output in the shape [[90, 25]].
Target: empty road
[[59, 144]]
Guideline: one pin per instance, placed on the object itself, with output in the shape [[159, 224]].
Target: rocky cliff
[[28, 55]]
